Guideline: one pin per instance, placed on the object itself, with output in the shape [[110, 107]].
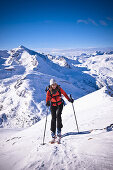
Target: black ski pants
[[56, 112]]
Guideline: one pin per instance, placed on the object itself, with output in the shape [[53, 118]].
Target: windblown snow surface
[[24, 74]]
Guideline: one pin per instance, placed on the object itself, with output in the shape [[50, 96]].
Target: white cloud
[[89, 20], [92, 21], [102, 22], [109, 18], [82, 21]]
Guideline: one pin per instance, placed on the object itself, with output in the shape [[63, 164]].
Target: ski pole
[[45, 126], [74, 115]]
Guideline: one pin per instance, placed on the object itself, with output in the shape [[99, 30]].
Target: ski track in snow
[[70, 154]]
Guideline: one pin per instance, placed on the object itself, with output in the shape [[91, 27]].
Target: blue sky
[[56, 23]]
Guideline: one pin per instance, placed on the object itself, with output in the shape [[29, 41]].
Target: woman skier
[[54, 100]]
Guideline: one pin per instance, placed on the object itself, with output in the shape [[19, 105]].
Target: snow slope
[[90, 149], [99, 66]]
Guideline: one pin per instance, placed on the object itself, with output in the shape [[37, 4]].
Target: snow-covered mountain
[[24, 75]]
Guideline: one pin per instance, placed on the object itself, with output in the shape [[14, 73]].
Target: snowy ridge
[[25, 73], [59, 60], [89, 149]]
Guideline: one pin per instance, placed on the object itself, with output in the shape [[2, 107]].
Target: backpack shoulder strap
[[48, 89], [59, 90], [50, 93]]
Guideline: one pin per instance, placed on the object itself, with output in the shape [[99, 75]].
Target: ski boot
[[53, 138], [59, 136]]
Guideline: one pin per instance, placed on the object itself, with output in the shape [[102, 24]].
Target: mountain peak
[[21, 46]]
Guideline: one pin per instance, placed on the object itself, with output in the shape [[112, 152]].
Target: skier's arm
[[64, 93], [48, 96]]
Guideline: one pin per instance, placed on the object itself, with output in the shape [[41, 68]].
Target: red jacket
[[56, 98]]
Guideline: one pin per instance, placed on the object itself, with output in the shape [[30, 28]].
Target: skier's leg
[[53, 120], [59, 119]]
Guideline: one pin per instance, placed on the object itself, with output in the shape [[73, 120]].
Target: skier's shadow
[[76, 133], [108, 129]]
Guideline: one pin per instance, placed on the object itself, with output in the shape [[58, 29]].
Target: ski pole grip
[[70, 96]]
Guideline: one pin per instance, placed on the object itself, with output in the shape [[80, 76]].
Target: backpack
[[47, 88]]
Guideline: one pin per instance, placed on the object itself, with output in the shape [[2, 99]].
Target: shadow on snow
[[76, 133], [108, 129]]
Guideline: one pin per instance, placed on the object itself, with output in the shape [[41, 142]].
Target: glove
[[71, 100], [48, 103]]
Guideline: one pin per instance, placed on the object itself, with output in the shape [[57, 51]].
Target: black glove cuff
[[48, 103], [71, 100]]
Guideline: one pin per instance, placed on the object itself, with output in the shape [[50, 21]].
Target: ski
[[56, 140], [59, 140], [52, 141]]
